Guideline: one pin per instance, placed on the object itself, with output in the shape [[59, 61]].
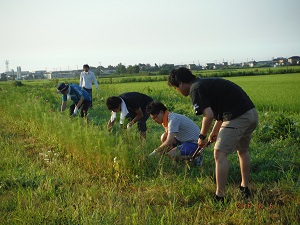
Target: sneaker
[[245, 191], [199, 160]]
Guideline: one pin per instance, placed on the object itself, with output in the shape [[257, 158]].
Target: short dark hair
[[113, 102], [181, 74], [86, 66], [155, 107]]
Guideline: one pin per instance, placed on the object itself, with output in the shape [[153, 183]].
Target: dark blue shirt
[[75, 93]]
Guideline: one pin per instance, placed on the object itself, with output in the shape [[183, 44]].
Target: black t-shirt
[[135, 100], [227, 100]]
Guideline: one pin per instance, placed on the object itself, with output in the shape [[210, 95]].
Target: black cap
[[62, 87]]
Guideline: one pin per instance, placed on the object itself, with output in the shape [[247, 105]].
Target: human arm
[[139, 115], [80, 102], [208, 117], [64, 103], [77, 106], [95, 82], [167, 144], [63, 106], [215, 131], [80, 96]]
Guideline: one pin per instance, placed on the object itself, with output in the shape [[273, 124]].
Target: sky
[[65, 34]]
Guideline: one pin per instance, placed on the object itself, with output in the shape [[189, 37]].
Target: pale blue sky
[[52, 34]]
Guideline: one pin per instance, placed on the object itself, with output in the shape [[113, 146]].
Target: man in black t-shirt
[[236, 119], [131, 105]]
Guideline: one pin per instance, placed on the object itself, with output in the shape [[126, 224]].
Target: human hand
[[213, 136], [201, 142]]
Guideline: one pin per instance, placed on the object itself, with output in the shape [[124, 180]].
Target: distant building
[[193, 67], [225, 64], [39, 74], [26, 75], [267, 63], [60, 74], [11, 75], [210, 66], [236, 65], [294, 60], [3, 77], [218, 66], [252, 63], [280, 61]]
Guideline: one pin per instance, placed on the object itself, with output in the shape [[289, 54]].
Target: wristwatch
[[202, 137]]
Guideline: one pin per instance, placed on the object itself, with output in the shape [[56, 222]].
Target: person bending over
[[179, 141], [132, 106], [235, 120], [81, 99]]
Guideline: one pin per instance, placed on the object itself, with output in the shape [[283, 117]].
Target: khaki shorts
[[236, 134]]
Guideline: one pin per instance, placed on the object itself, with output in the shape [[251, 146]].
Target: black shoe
[[245, 191], [216, 198]]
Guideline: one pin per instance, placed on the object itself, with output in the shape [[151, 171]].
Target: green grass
[[57, 170], [272, 92]]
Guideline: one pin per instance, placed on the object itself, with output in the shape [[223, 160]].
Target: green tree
[[120, 69], [133, 69], [136, 69]]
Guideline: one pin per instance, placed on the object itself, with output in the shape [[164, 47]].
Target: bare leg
[[244, 158], [222, 168], [174, 154]]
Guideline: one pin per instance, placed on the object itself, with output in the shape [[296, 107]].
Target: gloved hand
[[75, 110], [129, 125], [152, 153]]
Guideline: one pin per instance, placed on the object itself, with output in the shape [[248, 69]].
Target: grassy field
[[57, 170]]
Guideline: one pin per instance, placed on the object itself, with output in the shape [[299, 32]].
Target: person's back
[[223, 96], [186, 130], [76, 92], [135, 100]]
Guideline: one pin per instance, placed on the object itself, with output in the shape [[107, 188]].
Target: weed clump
[[282, 128], [17, 83]]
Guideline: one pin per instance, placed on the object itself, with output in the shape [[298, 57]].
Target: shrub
[[17, 83], [282, 128]]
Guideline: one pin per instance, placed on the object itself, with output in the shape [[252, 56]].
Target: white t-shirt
[[86, 80]]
